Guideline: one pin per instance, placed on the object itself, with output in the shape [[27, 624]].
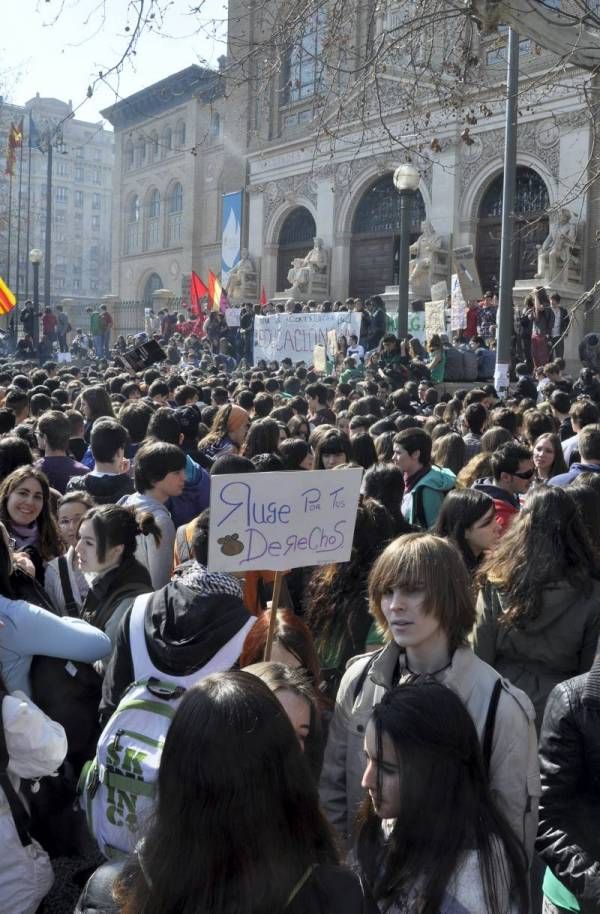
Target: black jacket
[[105, 490], [330, 890], [568, 835], [184, 625]]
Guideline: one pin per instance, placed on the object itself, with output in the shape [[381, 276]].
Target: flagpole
[[10, 180], [19, 220], [27, 234]]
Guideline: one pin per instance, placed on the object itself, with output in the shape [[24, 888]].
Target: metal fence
[[128, 316]]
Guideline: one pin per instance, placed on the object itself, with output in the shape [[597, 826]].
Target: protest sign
[[332, 344], [319, 359], [458, 315], [277, 521], [435, 321], [416, 325], [466, 270], [294, 336], [232, 317]]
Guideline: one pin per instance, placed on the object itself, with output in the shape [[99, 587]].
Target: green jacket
[[96, 328], [352, 374], [421, 505]]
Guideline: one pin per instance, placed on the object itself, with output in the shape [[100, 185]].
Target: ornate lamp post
[[406, 182], [35, 258]]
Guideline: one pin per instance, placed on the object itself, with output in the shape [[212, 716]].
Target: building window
[[77, 269], [79, 198], [215, 124], [94, 285], [154, 205], [97, 176], [96, 201], [95, 223], [94, 252], [140, 153], [167, 141], [76, 283], [78, 216], [153, 147], [132, 236], [62, 168], [133, 214], [304, 64], [62, 195], [129, 155], [60, 263], [59, 282], [60, 217], [180, 135], [79, 173], [79, 152], [176, 198]]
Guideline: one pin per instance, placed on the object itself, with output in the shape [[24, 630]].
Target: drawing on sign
[[231, 545]]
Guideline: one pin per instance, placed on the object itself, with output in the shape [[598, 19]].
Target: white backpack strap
[[140, 658]]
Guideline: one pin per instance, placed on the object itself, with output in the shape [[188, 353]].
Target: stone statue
[[419, 276], [241, 277], [317, 258], [310, 273], [555, 252]]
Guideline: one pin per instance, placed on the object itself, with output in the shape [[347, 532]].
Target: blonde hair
[[421, 561]]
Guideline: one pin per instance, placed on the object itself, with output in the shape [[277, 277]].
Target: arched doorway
[[295, 240], [153, 283], [531, 227], [376, 237]]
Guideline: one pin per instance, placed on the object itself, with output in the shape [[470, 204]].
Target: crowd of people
[[424, 736]]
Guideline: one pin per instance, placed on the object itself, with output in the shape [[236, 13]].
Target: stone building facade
[[81, 202], [167, 185]]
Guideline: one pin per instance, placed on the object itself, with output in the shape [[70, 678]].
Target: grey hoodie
[[158, 559]]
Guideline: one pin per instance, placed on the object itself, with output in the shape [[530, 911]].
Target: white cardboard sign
[[277, 521], [294, 336]]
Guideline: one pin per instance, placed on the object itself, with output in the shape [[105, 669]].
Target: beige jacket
[[514, 769]]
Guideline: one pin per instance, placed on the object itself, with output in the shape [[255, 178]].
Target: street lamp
[[406, 182], [35, 258]]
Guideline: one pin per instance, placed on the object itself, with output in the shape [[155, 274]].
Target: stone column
[[268, 270]]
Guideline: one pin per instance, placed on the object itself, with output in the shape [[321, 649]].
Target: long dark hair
[[330, 441], [98, 402], [385, 483], [461, 509], [50, 543], [115, 525], [445, 805], [262, 438], [238, 820], [337, 610], [547, 542]]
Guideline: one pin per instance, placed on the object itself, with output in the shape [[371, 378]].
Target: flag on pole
[[15, 138], [197, 291], [214, 292], [7, 298], [263, 296]]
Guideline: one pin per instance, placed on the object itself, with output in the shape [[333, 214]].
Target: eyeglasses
[[526, 474]]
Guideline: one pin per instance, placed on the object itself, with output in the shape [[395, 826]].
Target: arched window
[[129, 154], [140, 152], [154, 204], [531, 227], [153, 146], [215, 124], [379, 209], [133, 210], [295, 240], [180, 135], [167, 141], [304, 66], [152, 284], [176, 198]]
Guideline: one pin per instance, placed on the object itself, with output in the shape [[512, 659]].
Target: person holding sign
[[421, 597]]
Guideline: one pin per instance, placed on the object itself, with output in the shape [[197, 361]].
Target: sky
[[57, 48]]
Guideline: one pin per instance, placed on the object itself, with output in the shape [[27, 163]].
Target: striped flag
[[15, 139], [7, 298], [197, 291], [214, 292]]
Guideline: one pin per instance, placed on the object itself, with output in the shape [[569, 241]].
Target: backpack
[[119, 785]]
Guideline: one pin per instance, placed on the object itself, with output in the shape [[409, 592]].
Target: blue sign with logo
[[232, 233]]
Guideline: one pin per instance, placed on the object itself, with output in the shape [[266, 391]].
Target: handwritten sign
[[435, 321], [294, 336], [276, 521], [458, 318], [232, 317], [466, 270], [416, 325]]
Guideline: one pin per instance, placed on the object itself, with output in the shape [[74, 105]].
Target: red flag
[[263, 296], [197, 291]]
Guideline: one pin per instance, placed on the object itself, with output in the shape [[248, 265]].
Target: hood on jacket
[[143, 502], [126, 581], [190, 619], [439, 478], [107, 489], [575, 470], [496, 492]]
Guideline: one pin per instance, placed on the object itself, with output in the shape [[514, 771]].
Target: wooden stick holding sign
[[274, 608]]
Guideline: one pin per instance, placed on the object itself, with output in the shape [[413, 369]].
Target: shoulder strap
[[65, 583], [490, 722], [140, 658], [300, 884], [18, 811], [418, 508]]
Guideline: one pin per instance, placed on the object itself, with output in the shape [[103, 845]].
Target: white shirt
[[556, 324], [357, 350]]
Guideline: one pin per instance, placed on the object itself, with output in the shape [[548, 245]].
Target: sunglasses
[[526, 474]]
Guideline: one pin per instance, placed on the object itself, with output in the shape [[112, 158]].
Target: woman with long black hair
[[237, 825], [539, 608], [468, 518], [432, 839]]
